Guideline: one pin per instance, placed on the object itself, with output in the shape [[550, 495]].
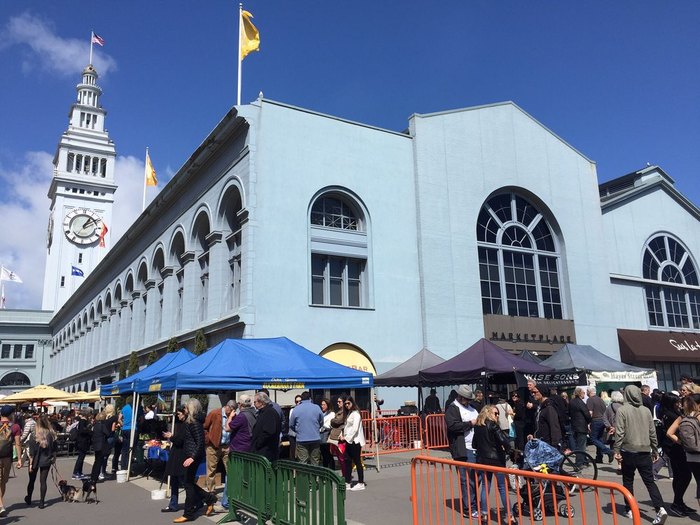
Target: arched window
[[339, 251], [15, 379], [519, 260], [671, 303]]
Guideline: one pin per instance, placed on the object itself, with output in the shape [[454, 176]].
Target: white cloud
[[25, 213], [50, 52]]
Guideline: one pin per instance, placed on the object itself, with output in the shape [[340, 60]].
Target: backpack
[[6, 440], [689, 434], [73, 431]]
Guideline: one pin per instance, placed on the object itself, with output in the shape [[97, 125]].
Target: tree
[[172, 345], [122, 370], [200, 346], [152, 357], [200, 343], [133, 365]]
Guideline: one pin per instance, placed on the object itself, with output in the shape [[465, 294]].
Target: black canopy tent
[[407, 374]]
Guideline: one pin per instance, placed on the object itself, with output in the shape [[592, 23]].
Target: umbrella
[[82, 397], [37, 393]]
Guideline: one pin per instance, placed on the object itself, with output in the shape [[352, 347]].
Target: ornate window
[[671, 303], [519, 260], [339, 251]]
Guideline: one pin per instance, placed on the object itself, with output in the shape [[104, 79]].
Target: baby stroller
[[545, 496]]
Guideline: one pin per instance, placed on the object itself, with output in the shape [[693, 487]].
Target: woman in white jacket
[[354, 438]]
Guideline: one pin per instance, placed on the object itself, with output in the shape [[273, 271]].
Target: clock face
[[82, 226]]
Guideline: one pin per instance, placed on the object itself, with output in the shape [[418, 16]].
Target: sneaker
[[101, 477], [628, 514], [77, 476], [660, 518], [676, 511], [3, 511], [358, 486], [475, 514], [348, 486]]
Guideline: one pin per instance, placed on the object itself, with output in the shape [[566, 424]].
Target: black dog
[[89, 492]]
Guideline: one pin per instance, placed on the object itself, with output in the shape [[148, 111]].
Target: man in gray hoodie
[[636, 446]]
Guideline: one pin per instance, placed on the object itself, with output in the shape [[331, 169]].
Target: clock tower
[[82, 195]]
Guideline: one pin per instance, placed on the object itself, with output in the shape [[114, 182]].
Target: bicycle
[[578, 464]]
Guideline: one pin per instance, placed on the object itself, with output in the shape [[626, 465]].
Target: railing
[[288, 493], [308, 495], [450, 492], [251, 488], [394, 434], [435, 432]]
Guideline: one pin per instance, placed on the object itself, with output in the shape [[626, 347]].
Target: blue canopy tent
[[245, 364], [167, 362]]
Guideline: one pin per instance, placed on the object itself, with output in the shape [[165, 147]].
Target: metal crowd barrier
[[393, 434], [435, 432], [531, 497], [288, 493], [311, 495]]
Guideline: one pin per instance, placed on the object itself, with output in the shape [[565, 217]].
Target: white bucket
[[121, 476], [158, 494], [417, 444]]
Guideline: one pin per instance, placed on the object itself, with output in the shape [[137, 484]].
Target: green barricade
[[308, 495], [250, 486]]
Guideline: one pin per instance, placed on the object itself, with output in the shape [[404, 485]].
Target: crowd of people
[[636, 428]]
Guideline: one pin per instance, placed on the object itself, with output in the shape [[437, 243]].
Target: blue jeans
[[224, 498], [465, 473], [126, 434], [485, 479], [597, 433]]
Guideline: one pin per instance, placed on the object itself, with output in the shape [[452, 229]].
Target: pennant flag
[[2, 301], [9, 275], [103, 232], [97, 39], [151, 179], [250, 36], [74, 270]]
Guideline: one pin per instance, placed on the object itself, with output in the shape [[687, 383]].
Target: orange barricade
[[394, 434], [530, 497], [435, 431]]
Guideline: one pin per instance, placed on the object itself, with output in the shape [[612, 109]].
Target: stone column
[[218, 270], [167, 316], [104, 338], [113, 336], [124, 330], [81, 358], [151, 320], [138, 316], [191, 296], [95, 343]]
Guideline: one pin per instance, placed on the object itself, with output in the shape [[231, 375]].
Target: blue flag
[[74, 270]]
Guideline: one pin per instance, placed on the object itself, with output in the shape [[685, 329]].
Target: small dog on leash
[[85, 494]]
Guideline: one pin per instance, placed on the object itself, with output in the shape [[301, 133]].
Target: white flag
[[9, 275]]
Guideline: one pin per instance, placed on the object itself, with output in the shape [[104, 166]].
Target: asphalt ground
[[386, 500]]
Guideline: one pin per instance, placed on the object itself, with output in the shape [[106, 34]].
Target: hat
[[544, 390], [6, 410], [465, 392]]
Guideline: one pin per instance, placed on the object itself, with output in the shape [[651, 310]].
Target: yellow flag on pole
[[151, 179], [250, 36]]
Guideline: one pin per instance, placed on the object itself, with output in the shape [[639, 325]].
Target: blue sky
[[616, 80]]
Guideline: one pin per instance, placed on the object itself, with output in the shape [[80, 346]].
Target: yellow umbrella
[[37, 393], [82, 397]]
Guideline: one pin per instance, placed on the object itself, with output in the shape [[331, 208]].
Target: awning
[[350, 356], [649, 345]]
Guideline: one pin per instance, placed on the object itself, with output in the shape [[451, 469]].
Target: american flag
[[97, 39]]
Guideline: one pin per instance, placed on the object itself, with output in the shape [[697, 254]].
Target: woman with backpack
[[686, 431], [42, 454]]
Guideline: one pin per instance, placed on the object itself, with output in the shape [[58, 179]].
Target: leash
[[56, 476]]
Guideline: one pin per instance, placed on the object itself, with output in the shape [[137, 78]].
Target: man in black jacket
[[548, 429], [460, 418], [266, 432], [83, 437], [580, 419]]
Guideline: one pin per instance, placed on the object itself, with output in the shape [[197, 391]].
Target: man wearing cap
[[547, 422], [9, 437], [460, 418]]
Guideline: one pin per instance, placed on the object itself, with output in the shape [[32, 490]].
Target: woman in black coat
[[193, 446], [176, 458], [41, 456], [82, 441], [100, 433], [491, 445]]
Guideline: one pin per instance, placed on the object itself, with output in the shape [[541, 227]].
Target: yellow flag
[[250, 37], [151, 179]]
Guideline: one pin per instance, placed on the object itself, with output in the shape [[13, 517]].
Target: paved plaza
[[386, 500]]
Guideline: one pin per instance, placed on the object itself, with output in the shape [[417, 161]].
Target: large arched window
[[671, 303], [339, 251], [519, 260]]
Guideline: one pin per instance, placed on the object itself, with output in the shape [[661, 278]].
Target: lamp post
[[43, 343]]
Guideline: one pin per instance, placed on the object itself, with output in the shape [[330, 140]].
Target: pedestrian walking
[[354, 438], [9, 437], [83, 437], [597, 407], [174, 466], [100, 433], [685, 430], [42, 455], [580, 418]]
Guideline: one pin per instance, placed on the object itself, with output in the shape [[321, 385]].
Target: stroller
[[543, 495]]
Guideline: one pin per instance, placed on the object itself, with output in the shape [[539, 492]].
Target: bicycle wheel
[[579, 465]]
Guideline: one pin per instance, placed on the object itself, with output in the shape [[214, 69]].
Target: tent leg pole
[[375, 433], [172, 431]]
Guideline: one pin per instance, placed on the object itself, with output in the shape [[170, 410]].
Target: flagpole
[[92, 33], [143, 207], [3, 296], [240, 61]]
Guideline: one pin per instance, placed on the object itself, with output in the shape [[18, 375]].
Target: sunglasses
[[496, 412]]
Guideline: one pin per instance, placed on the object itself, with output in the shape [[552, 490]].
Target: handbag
[[511, 430]]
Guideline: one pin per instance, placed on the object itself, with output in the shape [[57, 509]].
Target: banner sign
[[279, 385], [560, 379]]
